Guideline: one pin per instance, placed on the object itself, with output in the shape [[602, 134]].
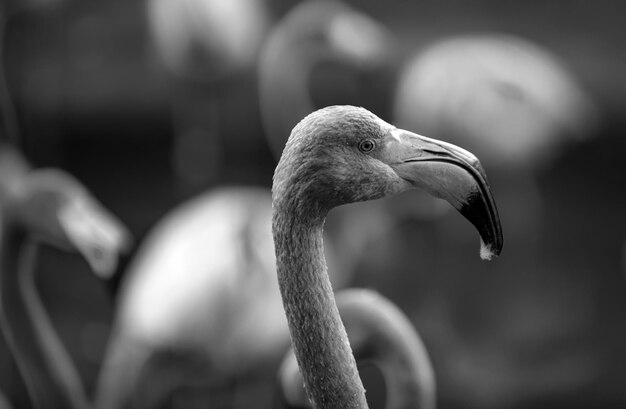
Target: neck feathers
[[318, 336]]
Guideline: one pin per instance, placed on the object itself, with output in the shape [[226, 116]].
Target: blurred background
[[116, 93]]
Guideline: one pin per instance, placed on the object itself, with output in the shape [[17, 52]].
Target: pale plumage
[[206, 39], [203, 283], [204, 47], [313, 32], [514, 103]]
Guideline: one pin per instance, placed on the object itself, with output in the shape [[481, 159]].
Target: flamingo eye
[[367, 145]]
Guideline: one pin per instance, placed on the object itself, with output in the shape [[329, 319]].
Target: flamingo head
[[343, 154], [54, 208]]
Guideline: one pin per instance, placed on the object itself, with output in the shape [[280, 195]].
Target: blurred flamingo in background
[[512, 102], [379, 334], [202, 286], [207, 39], [202, 46], [47, 206], [517, 106], [314, 32]]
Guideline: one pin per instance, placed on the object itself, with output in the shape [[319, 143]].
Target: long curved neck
[[408, 375], [318, 336], [381, 333], [50, 378]]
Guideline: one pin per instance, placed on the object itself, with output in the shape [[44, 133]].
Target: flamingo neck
[[318, 336], [380, 333], [409, 381], [49, 376]]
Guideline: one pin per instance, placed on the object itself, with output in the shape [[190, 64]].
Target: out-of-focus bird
[[517, 106], [336, 156], [313, 33], [47, 206], [207, 39], [203, 285], [512, 102], [202, 45], [43, 207], [382, 335]]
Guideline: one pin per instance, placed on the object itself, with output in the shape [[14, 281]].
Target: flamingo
[[517, 106], [511, 101], [379, 332], [202, 283], [313, 32], [51, 207], [47, 206], [201, 45], [204, 39], [336, 156]]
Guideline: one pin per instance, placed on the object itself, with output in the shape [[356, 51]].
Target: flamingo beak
[[450, 173], [98, 235]]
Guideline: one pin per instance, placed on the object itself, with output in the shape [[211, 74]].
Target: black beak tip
[[484, 216]]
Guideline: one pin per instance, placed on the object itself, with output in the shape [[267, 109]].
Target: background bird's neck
[[382, 334], [318, 336], [50, 378]]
